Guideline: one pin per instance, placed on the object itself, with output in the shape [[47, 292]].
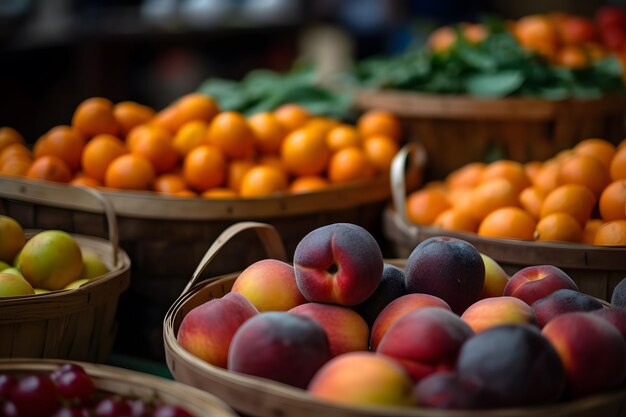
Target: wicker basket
[[264, 398], [165, 237], [456, 130], [124, 382], [595, 269], [78, 324]]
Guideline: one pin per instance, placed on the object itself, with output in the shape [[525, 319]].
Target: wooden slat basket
[[165, 237], [120, 381], [595, 269], [456, 130], [261, 397], [77, 324]]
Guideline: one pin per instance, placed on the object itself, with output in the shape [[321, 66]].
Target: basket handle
[[267, 233]]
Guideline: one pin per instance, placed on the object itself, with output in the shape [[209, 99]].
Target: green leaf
[[497, 84], [228, 94]]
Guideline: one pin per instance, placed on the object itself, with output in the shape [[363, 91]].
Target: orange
[[185, 193], [94, 116], [193, 106], [425, 205], [237, 168], [268, 132], [17, 167], [63, 142], [98, 154], [342, 136], [308, 183], [474, 33], [547, 179], [612, 233], [9, 135], [572, 56], [532, 169], [230, 132], [509, 223], [380, 151], [190, 135], [458, 196], [585, 170], [558, 226], [130, 114], [262, 180], [273, 160], [573, 199], [155, 144], [49, 168], [220, 192], [349, 164], [441, 39], [590, 230], [169, 183], [85, 181], [612, 202], [292, 116], [379, 122], [537, 33], [15, 151], [466, 176], [204, 167], [531, 198], [618, 163], [452, 219], [323, 124], [601, 149], [130, 172], [492, 195], [305, 152], [507, 169]]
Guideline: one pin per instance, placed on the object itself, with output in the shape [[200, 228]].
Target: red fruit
[[611, 16], [170, 411], [35, 395], [75, 384], [7, 382], [110, 407]]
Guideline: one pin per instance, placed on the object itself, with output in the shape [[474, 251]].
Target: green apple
[[12, 270], [11, 238], [92, 266], [41, 291], [75, 284], [495, 278], [4, 265], [11, 285]]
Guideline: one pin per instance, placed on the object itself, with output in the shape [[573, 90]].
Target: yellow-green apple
[[4, 265], [425, 341], [12, 284], [13, 271], [207, 330], [494, 311], [391, 286], [561, 302], [11, 238], [496, 278], [592, 350], [280, 346], [531, 283], [345, 328], [93, 266], [270, 285], [449, 268], [363, 378], [340, 263], [75, 284], [398, 308]]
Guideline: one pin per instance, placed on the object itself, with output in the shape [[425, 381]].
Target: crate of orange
[[522, 90], [178, 176], [567, 211]]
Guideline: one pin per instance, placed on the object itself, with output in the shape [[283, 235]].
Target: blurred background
[[56, 53]]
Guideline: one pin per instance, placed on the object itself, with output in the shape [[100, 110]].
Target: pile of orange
[[191, 148], [579, 195]]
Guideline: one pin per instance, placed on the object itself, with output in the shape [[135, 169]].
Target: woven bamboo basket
[[78, 324], [595, 269], [120, 381], [261, 397], [165, 237], [456, 130]]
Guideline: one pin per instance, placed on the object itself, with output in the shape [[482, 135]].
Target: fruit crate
[[118, 381], [165, 237], [261, 397], [456, 130], [595, 269], [78, 324]]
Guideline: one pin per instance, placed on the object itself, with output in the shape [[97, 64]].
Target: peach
[[345, 328], [496, 278], [398, 308], [280, 346], [270, 285], [449, 268], [490, 312], [592, 350], [426, 341], [512, 365], [340, 263], [615, 316], [618, 296], [531, 283], [207, 330], [363, 378], [444, 390], [391, 286], [561, 302]]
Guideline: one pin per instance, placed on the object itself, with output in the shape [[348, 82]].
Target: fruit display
[[458, 333], [577, 196], [49, 260], [193, 148]]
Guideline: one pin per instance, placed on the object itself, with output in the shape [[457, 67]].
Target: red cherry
[[73, 384], [66, 367], [170, 411], [138, 407], [7, 382], [68, 412], [111, 407], [35, 395]]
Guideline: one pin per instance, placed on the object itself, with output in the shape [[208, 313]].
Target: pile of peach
[[192, 148], [449, 330], [577, 196]]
